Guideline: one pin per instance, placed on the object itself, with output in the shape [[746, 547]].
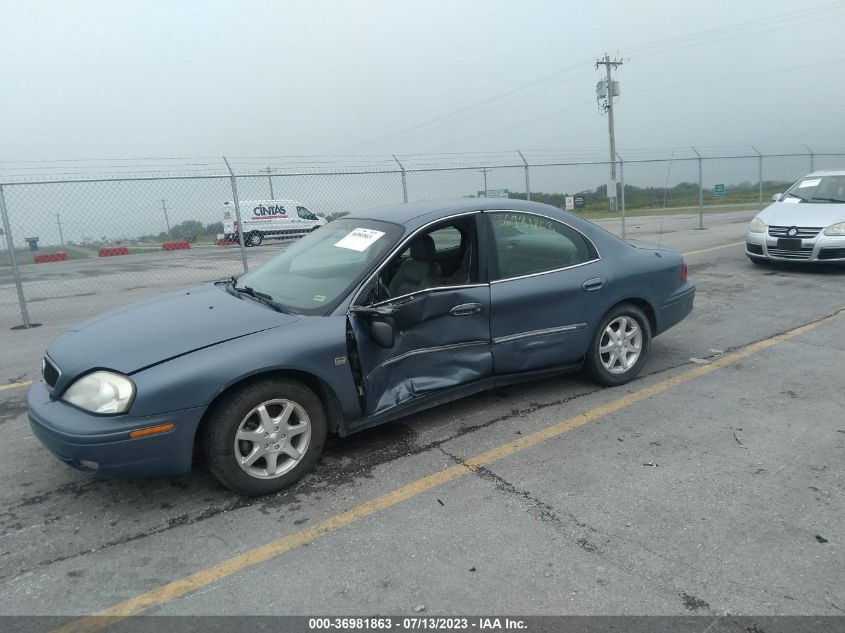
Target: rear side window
[[524, 244]]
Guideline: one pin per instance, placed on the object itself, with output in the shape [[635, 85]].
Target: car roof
[[416, 213], [827, 172]]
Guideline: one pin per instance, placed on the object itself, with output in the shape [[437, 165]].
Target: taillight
[[236, 227], [683, 270]]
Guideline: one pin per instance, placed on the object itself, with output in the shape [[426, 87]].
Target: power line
[[646, 90], [466, 108], [510, 127], [739, 29], [651, 48], [484, 110]]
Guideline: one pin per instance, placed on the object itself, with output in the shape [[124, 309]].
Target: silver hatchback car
[[807, 223]]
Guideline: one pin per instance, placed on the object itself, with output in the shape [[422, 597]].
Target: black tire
[[595, 366], [226, 419], [759, 261], [255, 239]]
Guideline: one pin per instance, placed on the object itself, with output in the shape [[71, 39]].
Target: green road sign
[[719, 191]]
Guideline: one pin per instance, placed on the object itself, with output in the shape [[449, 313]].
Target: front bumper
[[83, 440], [820, 249]]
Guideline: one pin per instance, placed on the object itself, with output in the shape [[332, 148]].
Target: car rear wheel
[[255, 239], [265, 436], [619, 347]]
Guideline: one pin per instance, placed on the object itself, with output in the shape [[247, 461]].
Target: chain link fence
[[80, 237]]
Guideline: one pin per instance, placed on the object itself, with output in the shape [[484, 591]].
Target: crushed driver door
[[441, 339]]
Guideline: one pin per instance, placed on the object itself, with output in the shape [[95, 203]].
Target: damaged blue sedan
[[370, 318]]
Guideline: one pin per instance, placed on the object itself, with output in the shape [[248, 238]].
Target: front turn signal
[[152, 430]]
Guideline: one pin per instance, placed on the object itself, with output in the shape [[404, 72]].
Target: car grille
[[756, 249], [804, 253], [50, 372], [832, 253], [805, 232]]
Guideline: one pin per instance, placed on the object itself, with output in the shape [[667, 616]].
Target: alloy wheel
[[620, 345], [272, 438]]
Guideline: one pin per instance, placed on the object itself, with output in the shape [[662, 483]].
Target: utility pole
[[270, 180], [166, 220], [484, 171], [61, 237], [608, 107]]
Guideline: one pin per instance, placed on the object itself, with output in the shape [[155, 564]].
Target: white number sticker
[[360, 239]]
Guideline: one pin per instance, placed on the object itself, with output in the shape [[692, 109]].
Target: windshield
[[817, 189], [318, 270]]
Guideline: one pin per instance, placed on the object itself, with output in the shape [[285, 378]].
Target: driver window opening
[[305, 214], [445, 255]]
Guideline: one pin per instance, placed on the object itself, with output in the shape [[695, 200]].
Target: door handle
[[591, 285], [465, 309]]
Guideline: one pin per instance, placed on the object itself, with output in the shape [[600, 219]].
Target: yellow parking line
[[15, 385], [263, 553], [714, 248]]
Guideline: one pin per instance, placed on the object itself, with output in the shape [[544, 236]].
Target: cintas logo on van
[[268, 219], [273, 210]]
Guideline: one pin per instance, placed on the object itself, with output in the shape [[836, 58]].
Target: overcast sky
[[169, 78]]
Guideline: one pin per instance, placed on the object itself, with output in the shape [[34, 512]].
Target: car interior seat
[[462, 272], [419, 271]]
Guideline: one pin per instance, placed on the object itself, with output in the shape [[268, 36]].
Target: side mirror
[[382, 332], [776, 197]]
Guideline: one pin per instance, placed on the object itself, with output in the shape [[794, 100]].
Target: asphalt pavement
[[713, 484]]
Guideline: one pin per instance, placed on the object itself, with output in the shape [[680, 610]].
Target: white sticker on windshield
[[791, 200], [360, 239], [812, 182]]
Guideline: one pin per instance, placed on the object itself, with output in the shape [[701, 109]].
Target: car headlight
[[836, 229], [757, 226], [101, 392]]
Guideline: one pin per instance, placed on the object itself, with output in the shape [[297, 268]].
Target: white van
[[264, 219]]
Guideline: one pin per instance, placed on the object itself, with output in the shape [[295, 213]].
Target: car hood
[[802, 214], [155, 330]]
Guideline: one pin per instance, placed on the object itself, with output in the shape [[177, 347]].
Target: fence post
[[700, 193], [238, 215], [759, 174], [13, 259], [622, 184], [812, 159], [527, 179], [404, 182]]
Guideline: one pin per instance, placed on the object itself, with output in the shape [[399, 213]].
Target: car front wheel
[[619, 347], [265, 436], [255, 239]]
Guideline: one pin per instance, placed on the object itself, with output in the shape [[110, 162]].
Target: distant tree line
[[189, 230], [681, 195]]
